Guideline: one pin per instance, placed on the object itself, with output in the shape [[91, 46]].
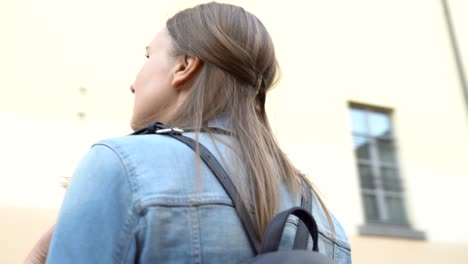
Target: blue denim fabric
[[138, 199]]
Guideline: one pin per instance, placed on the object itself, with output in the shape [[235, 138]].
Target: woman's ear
[[186, 68]]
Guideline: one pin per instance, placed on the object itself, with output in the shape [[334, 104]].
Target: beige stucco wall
[[388, 251], [393, 54], [21, 227]]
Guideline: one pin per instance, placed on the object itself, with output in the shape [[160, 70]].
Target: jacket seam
[[324, 235], [196, 245], [180, 201]]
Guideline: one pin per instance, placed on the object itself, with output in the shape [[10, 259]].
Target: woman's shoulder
[[139, 142], [158, 165], [147, 157], [333, 240], [335, 233], [161, 147]]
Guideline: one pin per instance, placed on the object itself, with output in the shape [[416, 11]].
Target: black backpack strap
[[228, 186], [274, 232], [218, 171], [302, 234]]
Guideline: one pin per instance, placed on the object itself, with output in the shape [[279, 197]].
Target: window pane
[[396, 210], [379, 124], [367, 180], [361, 147], [358, 121], [370, 207], [390, 178], [386, 151]]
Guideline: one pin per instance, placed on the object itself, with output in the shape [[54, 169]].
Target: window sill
[[393, 231]]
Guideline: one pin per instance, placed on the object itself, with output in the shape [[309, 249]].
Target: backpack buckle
[[170, 130]]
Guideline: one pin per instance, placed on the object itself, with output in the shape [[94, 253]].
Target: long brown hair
[[239, 67]]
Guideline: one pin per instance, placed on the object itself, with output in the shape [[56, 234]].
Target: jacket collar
[[221, 121]]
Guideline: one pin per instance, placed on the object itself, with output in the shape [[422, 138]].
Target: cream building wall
[[62, 58]]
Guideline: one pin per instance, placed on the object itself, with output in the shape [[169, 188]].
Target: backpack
[[266, 250]]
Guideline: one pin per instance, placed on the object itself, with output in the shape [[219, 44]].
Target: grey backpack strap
[[218, 171], [302, 234], [271, 254], [274, 232], [228, 186]]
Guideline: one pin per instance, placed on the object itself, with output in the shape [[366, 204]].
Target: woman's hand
[[38, 254]]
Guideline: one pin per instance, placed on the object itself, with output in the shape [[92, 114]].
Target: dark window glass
[[390, 179], [370, 207], [396, 210], [367, 179], [386, 150], [362, 147]]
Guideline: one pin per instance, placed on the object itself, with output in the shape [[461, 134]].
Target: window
[[381, 187], [374, 147]]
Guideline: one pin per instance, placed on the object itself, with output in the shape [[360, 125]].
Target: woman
[[148, 198]]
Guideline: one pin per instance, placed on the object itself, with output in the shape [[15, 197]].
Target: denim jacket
[[138, 199]]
